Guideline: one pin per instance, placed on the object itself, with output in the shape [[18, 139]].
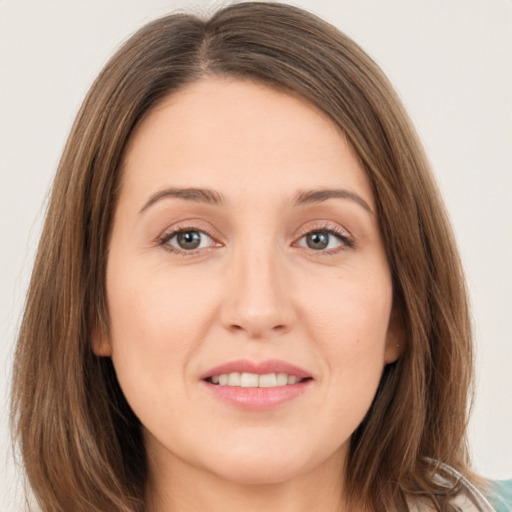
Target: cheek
[[350, 313], [157, 323], [348, 321], [155, 307]]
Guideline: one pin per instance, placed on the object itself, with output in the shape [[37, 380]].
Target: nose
[[258, 300]]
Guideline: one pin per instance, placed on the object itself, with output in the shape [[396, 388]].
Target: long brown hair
[[80, 443]]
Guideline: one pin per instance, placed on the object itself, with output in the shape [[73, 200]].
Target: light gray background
[[451, 63]]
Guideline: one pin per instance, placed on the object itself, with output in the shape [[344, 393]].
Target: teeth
[[268, 381], [282, 379], [234, 379], [249, 380], [253, 380]]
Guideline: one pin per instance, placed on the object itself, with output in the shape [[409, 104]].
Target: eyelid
[[164, 237], [345, 237]]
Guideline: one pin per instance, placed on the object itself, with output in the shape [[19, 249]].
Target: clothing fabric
[[500, 495], [470, 499]]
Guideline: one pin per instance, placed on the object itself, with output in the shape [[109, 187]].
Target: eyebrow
[[198, 195], [204, 195], [318, 196]]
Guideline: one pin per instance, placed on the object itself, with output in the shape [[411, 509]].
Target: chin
[[261, 472], [256, 464]]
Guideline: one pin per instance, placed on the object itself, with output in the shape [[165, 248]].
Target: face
[[248, 289]]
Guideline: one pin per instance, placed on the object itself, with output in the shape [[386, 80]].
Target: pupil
[[189, 239], [317, 240]]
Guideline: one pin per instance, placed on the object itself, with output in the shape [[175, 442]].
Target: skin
[[254, 289]]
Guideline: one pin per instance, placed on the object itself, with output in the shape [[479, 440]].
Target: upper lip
[[258, 367]]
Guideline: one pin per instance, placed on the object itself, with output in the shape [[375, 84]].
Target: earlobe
[[395, 339]]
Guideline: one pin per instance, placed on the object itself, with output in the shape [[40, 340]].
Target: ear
[[395, 339], [101, 345]]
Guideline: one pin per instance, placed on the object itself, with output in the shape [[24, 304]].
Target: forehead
[[238, 135]]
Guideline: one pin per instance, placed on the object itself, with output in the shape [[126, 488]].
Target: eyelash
[[164, 240], [347, 242], [345, 239]]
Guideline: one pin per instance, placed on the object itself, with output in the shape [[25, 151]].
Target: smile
[[253, 380], [256, 386]]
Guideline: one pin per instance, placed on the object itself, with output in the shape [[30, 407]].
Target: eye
[[187, 240], [324, 240]]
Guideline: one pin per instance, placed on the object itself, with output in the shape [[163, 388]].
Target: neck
[[180, 487]]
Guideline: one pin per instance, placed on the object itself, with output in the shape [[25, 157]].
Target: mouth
[[254, 380], [257, 386]]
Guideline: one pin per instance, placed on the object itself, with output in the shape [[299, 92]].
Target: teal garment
[[500, 495]]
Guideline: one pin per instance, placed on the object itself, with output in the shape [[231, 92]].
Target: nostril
[[257, 331]]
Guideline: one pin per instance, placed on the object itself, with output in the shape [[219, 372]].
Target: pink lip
[[261, 368], [257, 399]]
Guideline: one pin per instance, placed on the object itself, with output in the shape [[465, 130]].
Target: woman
[[247, 292]]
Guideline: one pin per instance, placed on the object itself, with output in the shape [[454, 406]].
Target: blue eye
[[323, 240], [188, 240]]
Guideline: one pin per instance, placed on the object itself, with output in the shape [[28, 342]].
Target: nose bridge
[[257, 299]]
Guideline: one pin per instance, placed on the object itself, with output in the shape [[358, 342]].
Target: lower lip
[[257, 399]]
